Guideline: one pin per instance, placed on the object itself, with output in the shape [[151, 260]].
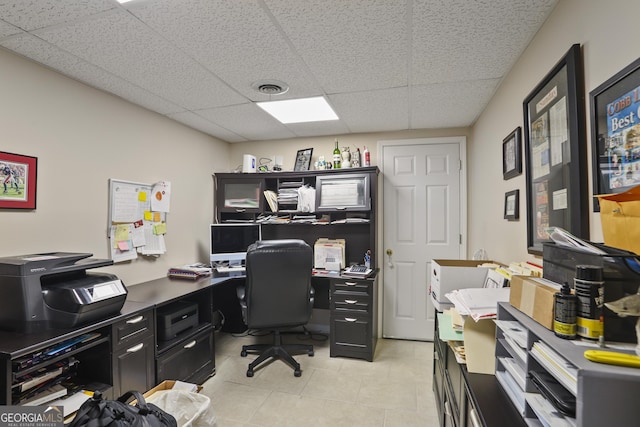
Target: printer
[[54, 290]]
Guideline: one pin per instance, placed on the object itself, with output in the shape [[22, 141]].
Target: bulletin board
[[137, 220]]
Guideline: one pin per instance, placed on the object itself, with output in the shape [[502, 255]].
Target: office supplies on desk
[[229, 269], [190, 271], [360, 271], [613, 358]]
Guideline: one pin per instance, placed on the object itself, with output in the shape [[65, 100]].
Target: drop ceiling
[[383, 65]]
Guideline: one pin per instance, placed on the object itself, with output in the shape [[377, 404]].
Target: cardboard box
[[534, 297], [620, 218], [167, 385], [450, 274]]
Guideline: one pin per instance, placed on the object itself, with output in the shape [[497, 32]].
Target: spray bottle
[[367, 157]]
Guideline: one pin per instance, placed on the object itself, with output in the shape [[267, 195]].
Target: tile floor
[[392, 391]]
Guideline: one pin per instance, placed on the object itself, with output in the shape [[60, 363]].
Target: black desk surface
[[493, 404]]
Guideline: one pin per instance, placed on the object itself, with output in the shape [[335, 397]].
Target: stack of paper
[[479, 303]]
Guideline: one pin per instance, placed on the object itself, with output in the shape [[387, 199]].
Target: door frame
[[461, 141]]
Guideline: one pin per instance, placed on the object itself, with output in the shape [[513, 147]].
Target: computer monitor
[[229, 242]]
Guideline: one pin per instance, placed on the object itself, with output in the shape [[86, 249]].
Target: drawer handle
[[135, 320], [473, 416], [351, 301], [135, 348], [350, 283], [190, 345], [350, 319], [241, 210]]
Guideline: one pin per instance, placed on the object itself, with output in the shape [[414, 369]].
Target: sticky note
[[160, 228], [147, 215], [122, 233], [156, 217], [123, 245], [142, 196]]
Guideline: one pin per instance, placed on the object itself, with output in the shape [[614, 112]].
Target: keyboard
[[227, 269]]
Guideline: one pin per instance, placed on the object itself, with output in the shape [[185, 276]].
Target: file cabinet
[[353, 317]]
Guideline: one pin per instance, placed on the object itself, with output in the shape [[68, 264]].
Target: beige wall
[[82, 137], [609, 33]]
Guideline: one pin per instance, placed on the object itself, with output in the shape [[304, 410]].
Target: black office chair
[[277, 296]]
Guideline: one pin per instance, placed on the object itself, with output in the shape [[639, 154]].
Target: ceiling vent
[[270, 87]]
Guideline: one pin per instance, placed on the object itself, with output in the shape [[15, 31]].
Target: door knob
[[390, 260]]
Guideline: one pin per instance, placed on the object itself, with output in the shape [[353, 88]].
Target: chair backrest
[[278, 283]]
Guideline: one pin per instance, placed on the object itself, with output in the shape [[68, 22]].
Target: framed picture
[[512, 205], [556, 153], [615, 133], [18, 176], [512, 154], [303, 160]]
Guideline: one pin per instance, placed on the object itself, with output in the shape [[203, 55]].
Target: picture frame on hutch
[[556, 152], [303, 159], [615, 134], [18, 174], [512, 154]]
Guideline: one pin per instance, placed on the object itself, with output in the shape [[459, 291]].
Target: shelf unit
[[605, 394], [354, 222]]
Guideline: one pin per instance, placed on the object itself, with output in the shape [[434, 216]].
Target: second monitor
[[229, 243]]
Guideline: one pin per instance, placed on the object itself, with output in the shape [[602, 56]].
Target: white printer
[[54, 290]]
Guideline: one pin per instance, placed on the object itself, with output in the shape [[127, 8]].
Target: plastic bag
[[189, 409]]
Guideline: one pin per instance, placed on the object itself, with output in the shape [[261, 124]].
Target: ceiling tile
[[122, 45], [7, 29], [235, 40], [200, 123], [248, 121], [373, 111], [442, 106], [33, 14], [349, 45]]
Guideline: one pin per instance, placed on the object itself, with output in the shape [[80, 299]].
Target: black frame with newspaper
[[556, 153]]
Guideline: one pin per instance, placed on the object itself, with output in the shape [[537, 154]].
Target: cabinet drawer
[[132, 329], [353, 331], [352, 286], [133, 367], [350, 302], [191, 361]]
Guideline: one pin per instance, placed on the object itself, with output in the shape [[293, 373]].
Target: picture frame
[[512, 154], [303, 160], [615, 134], [556, 153], [18, 174], [512, 205]]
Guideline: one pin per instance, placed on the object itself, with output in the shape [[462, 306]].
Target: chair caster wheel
[[243, 353], [250, 373], [297, 373], [311, 353]]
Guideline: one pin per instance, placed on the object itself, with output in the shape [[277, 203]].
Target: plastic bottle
[[367, 157], [337, 156]]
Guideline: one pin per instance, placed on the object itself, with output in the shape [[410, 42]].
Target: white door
[[424, 204]]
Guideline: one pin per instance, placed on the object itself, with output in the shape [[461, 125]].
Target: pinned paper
[[160, 228], [161, 199]]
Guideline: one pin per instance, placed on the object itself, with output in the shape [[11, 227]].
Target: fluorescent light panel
[[299, 110]]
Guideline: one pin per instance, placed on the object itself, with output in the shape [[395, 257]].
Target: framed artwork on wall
[[512, 154], [18, 174], [556, 152], [512, 205], [615, 132]]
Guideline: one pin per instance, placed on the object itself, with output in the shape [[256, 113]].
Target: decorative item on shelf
[[355, 158], [337, 157], [367, 157], [321, 164], [346, 158], [303, 159]]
